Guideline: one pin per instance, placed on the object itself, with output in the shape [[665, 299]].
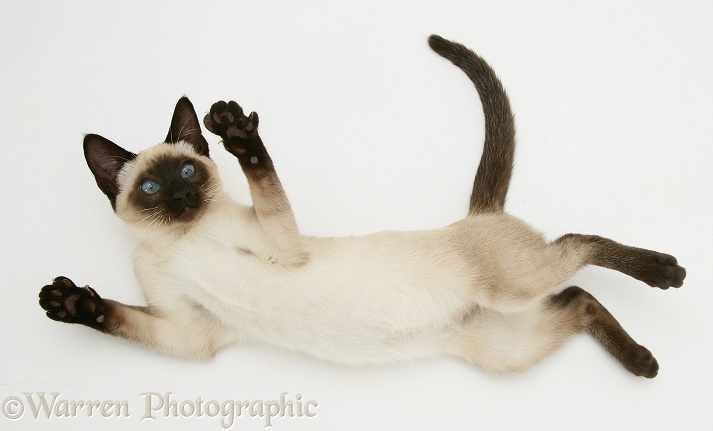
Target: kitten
[[216, 273]]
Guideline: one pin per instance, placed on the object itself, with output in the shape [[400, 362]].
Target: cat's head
[[169, 185]]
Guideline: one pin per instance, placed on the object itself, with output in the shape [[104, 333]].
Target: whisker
[[206, 181], [156, 220], [150, 215]]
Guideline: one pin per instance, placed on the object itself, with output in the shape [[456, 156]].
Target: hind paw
[[662, 271], [642, 362]]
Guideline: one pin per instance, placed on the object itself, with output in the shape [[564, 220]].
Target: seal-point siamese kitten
[[216, 273]]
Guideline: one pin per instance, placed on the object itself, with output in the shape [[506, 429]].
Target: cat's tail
[[493, 176]]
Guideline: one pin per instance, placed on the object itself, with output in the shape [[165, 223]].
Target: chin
[[187, 214]]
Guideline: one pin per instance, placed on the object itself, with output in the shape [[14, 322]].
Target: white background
[[369, 131]]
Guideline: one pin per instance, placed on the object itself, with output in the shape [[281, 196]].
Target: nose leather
[[179, 192]]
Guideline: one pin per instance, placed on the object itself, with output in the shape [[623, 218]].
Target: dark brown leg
[[596, 320], [653, 268]]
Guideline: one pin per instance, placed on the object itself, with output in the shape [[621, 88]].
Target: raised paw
[[65, 302], [228, 121]]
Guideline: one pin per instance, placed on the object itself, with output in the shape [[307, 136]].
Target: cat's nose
[[180, 192]]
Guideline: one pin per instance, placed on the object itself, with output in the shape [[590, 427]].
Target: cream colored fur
[[217, 273], [476, 289]]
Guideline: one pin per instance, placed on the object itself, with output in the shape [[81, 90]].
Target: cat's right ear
[[105, 160], [186, 127]]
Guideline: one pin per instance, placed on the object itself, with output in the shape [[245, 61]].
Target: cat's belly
[[358, 300]]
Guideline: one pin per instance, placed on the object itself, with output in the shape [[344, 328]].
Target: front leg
[[272, 208], [65, 302]]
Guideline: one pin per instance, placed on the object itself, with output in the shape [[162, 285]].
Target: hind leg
[[518, 269], [516, 341], [653, 268], [604, 327]]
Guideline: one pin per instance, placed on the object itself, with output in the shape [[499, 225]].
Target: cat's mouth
[[185, 211], [186, 205]]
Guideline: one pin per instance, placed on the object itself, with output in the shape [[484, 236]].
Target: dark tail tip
[[438, 44]]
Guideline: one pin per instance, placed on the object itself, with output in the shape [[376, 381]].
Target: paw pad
[[65, 302], [228, 121]]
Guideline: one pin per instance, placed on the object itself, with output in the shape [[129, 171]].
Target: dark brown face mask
[[106, 159]]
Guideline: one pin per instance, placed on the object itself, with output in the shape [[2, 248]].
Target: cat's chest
[[215, 272]]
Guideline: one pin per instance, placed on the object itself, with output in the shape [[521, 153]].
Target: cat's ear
[[105, 160], [186, 127]]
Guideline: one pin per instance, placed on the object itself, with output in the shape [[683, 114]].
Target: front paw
[[228, 121], [65, 302]]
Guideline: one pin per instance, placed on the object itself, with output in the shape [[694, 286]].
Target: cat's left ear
[[186, 127]]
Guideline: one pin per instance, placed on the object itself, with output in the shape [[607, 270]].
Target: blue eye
[[150, 187], [187, 170]]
